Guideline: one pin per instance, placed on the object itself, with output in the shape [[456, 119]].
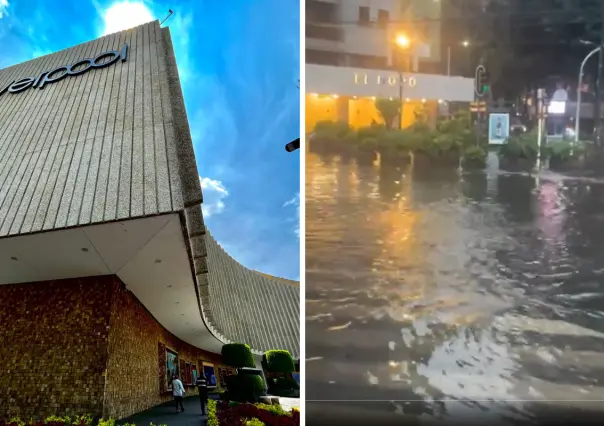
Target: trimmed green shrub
[[245, 387], [278, 361], [237, 355]]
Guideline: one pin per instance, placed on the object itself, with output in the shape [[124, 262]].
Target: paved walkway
[[289, 403], [165, 414]]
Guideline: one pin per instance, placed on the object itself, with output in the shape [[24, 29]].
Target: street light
[[578, 109], [403, 42]]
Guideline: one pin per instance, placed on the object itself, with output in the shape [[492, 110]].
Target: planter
[[564, 165], [327, 146], [473, 165], [395, 158], [423, 161], [365, 158], [516, 164]]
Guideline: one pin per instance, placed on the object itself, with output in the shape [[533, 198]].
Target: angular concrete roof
[[113, 143]]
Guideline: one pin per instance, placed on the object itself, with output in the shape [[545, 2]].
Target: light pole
[[403, 42], [578, 109]]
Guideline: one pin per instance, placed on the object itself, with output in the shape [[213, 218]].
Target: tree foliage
[[523, 42]]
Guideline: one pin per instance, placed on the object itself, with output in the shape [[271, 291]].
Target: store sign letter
[[77, 68], [362, 78]]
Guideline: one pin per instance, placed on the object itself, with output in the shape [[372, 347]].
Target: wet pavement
[[444, 297]]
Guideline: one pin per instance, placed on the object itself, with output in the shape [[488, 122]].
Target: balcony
[[323, 32]]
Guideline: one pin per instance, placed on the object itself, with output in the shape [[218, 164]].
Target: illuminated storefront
[[349, 94]]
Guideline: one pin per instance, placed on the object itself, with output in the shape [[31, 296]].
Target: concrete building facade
[[107, 271]]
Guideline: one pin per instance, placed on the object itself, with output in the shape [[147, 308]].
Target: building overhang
[[368, 83], [149, 255]]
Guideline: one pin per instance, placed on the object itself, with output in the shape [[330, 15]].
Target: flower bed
[[64, 421], [234, 414]]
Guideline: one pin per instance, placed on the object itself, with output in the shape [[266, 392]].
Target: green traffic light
[[485, 88]]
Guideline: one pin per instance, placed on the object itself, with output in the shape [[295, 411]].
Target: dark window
[[321, 57], [319, 11], [364, 18], [323, 32], [383, 18]]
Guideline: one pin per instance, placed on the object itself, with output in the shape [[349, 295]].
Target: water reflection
[[460, 294]]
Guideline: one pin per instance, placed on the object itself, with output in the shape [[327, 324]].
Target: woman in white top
[[178, 390]]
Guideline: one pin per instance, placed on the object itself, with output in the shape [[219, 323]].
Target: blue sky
[[239, 64]]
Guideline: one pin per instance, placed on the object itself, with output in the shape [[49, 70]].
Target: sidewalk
[[165, 414]]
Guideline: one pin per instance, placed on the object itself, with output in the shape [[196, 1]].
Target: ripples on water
[[460, 295]]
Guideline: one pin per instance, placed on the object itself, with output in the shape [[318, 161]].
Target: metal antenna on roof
[[169, 14]]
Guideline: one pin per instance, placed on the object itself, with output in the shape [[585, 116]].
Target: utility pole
[[597, 109]]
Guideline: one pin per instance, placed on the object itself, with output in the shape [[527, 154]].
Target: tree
[[389, 109]]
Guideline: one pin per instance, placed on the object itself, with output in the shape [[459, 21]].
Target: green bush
[[245, 387], [278, 361], [368, 145], [475, 156], [237, 355], [373, 131], [564, 150], [212, 416], [254, 422], [332, 129], [521, 147], [275, 409]]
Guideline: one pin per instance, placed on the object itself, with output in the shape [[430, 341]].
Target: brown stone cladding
[[83, 346]]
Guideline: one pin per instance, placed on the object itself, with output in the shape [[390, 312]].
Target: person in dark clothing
[[202, 387]]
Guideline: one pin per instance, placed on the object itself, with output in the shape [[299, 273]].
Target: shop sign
[[77, 68], [391, 80]]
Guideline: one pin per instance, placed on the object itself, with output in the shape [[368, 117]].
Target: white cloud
[[295, 202], [214, 193], [3, 8], [124, 15]]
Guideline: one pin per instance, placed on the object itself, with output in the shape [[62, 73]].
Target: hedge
[[278, 361], [238, 355]]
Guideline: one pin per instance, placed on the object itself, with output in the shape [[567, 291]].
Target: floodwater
[[453, 297]]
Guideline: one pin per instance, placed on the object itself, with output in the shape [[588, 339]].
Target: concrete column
[[342, 109]]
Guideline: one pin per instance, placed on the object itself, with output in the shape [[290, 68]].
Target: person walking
[[178, 390], [202, 387]]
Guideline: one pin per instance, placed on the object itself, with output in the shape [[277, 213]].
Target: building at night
[[108, 275], [354, 56]]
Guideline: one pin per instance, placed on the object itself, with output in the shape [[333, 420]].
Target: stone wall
[[82, 346], [53, 347], [135, 368]]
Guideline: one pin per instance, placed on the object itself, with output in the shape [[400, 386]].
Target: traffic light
[[481, 81], [486, 83]]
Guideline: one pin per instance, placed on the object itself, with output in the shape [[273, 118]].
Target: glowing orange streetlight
[[402, 41]]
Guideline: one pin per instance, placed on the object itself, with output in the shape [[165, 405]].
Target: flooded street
[[453, 297]]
